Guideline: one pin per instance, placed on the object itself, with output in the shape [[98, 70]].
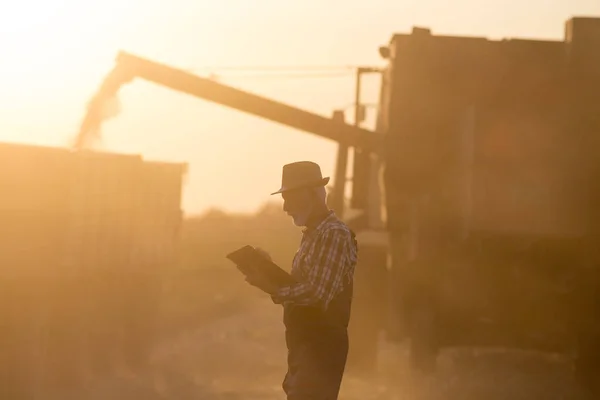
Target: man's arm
[[325, 276]]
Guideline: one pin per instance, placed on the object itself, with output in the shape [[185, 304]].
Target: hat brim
[[320, 182]]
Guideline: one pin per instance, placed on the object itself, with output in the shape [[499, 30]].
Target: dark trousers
[[316, 365]]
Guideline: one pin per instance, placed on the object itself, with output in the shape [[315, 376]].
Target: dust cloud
[[221, 339]]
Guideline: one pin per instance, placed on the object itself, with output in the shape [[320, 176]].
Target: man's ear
[[320, 194]]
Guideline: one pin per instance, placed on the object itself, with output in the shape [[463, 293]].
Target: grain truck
[[476, 190], [84, 239]]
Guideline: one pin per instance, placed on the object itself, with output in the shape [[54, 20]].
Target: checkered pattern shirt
[[324, 262]]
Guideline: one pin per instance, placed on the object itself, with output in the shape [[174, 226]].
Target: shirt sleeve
[[325, 277]]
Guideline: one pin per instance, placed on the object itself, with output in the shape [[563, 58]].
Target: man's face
[[298, 204]]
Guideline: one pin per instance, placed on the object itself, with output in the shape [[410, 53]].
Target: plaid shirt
[[324, 261]]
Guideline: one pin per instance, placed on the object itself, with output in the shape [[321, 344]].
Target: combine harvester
[[84, 239]]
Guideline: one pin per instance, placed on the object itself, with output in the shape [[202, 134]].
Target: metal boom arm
[[130, 66]]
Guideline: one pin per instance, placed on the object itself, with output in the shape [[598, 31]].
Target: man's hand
[[263, 284]]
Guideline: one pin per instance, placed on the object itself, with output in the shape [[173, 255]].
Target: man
[[316, 310]]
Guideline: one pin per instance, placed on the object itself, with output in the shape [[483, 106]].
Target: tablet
[[249, 261]]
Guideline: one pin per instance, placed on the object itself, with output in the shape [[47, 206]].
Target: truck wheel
[[423, 350]]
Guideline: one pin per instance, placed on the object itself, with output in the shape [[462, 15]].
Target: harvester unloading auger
[[128, 67]]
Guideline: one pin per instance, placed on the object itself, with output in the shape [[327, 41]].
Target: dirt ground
[[237, 352], [243, 357]]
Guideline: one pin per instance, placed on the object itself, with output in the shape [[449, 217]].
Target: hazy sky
[[54, 54]]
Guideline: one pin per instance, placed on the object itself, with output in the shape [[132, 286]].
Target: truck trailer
[[84, 239]]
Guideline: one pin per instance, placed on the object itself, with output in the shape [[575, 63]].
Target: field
[[227, 340], [222, 339]]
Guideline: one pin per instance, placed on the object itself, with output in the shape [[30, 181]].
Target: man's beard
[[301, 218]]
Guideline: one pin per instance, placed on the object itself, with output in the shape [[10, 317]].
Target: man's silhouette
[[317, 308]]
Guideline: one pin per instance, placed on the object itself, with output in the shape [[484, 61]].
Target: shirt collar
[[328, 217]]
